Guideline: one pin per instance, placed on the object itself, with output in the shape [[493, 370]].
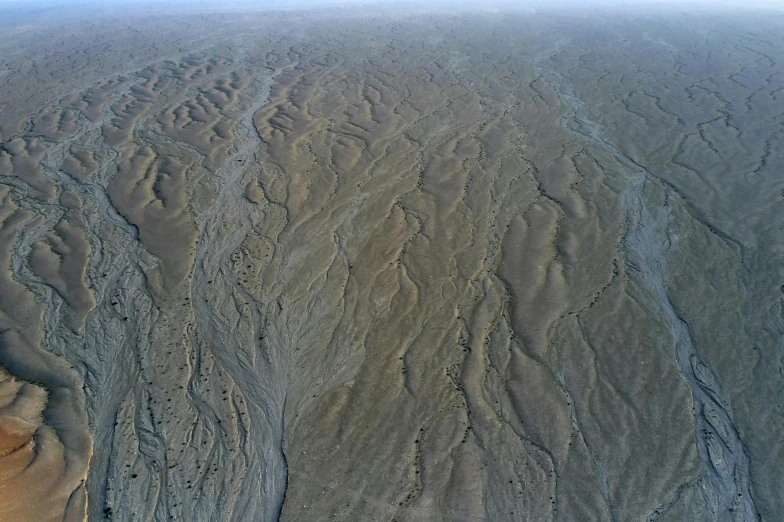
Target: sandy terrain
[[365, 264]]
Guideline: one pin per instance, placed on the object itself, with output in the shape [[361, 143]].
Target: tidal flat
[[392, 263]]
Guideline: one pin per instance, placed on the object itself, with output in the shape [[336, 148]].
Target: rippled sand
[[365, 264]]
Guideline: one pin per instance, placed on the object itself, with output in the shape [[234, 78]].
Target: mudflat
[[375, 263]]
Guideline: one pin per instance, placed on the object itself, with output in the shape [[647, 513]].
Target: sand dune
[[375, 264]]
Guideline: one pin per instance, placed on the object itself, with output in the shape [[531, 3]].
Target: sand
[[410, 264]]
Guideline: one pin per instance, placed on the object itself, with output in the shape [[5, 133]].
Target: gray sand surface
[[392, 263]]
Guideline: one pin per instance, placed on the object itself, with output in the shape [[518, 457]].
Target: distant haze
[[276, 4]]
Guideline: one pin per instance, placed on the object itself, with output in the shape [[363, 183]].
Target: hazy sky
[[283, 3], [16, 11]]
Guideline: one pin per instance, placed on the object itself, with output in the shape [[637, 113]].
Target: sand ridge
[[341, 264]]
